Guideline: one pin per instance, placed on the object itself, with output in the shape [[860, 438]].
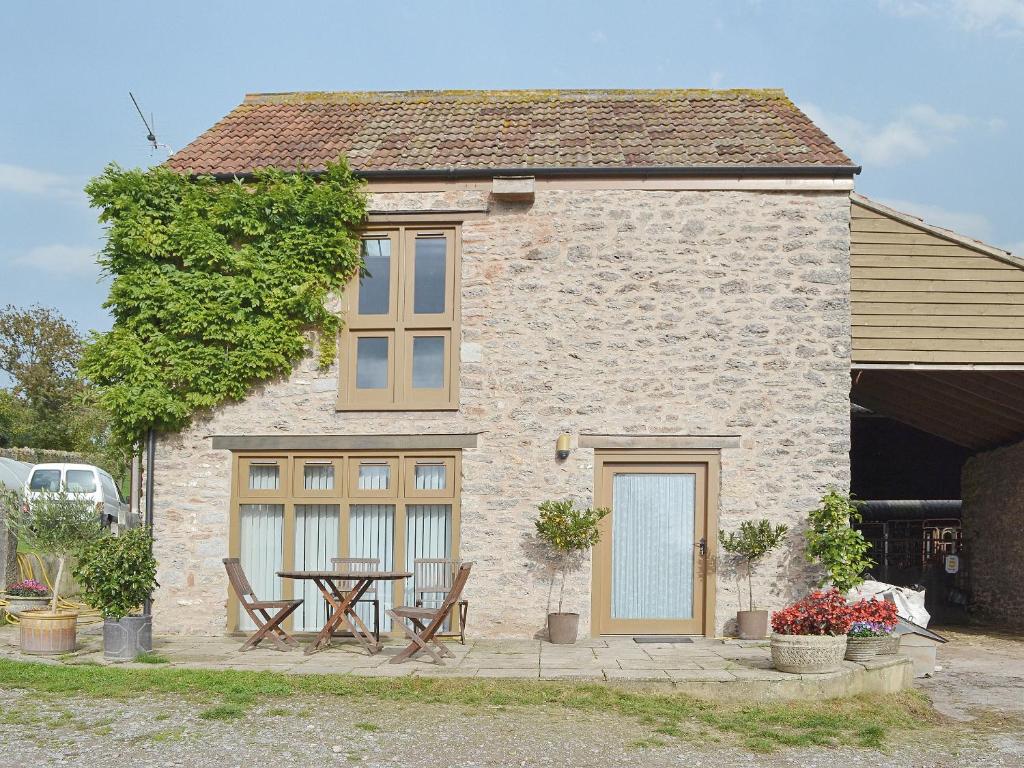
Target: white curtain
[[428, 535], [318, 477], [262, 551], [652, 546], [264, 477], [374, 477], [316, 542], [430, 477], [372, 534]]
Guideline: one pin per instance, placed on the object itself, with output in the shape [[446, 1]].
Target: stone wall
[[605, 311], [992, 484]]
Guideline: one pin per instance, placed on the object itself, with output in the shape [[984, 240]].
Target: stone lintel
[[418, 442], [674, 442]]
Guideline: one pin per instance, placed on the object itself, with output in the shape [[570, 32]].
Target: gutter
[[657, 171]]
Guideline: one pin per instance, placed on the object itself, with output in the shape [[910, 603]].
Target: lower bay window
[[297, 511]]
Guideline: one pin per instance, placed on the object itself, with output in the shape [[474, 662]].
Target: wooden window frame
[[344, 494], [362, 494], [410, 477], [401, 326]]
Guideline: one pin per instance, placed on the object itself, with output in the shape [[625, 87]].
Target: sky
[[927, 95]]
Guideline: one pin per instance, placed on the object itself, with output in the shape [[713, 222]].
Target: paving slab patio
[[708, 667]]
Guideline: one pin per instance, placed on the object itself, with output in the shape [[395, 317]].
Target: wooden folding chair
[[360, 564], [427, 621], [267, 625], [432, 580]]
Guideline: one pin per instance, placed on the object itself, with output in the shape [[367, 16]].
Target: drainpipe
[[150, 461]]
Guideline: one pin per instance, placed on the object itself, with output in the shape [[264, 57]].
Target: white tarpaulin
[[909, 602]]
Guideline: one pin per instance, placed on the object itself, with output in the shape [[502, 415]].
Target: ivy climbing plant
[[215, 285]]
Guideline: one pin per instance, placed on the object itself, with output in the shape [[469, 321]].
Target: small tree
[[117, 573], [569, 531], [53, 523], [751, 543], [833, 542]]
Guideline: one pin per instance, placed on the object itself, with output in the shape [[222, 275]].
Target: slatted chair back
[[357, 564], [432, 579], [238, 580], [426, 623], [455, 593]]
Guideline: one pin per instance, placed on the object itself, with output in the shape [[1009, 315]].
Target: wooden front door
[[650, 567]]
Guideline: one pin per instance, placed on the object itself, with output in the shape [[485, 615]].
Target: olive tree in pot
[[748, 546], [570, 531], [117, 574], [56, 524]]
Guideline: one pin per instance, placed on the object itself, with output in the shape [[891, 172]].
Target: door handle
[[703, 546]]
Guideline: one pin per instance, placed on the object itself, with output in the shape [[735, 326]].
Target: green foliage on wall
[[215, 285]]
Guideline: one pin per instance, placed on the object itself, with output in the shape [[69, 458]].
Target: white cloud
[[29, 181], [975, 225], [1000, 17], [916, 132], [60, 259]]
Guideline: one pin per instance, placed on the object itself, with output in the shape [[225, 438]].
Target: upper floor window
[[399, 349]]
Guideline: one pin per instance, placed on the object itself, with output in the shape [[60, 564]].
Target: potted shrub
[[56, 524], [873, 623], [810, 635], [569, 531], [117, 574], [834, 544], [26, 595], [748, 545]]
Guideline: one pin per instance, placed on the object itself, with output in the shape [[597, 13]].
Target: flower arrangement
[[28, 588], [823, 612], [872, 618]]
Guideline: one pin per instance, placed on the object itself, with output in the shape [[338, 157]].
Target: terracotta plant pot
[[43, 632], [808, 654], [16, 605], [752, 625], [863, 648], [563, 628]]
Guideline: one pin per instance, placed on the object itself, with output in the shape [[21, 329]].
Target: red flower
[[823, 612], [876, 612]]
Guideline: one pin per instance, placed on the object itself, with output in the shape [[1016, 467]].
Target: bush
[[118, 573], [823, 612], [750, 544], [568, 530], [835, 545]]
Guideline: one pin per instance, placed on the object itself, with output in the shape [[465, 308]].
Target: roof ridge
[[525, 94]]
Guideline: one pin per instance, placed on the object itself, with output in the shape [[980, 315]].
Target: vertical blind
[[262, 551], [430, 477], [318, 477], [372, 534], [428, 535], [316, 542], [652, 546], [264, 477], [374, 477]]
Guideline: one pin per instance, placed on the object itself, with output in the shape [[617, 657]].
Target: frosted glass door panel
[[372, 534], [262, 551], [652, 546], [316, 542]]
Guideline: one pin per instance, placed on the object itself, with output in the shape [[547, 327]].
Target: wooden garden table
[[343, 602]]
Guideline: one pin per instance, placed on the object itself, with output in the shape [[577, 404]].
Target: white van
[[81, 481]]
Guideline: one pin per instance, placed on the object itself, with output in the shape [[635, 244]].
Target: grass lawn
[[228, 694]]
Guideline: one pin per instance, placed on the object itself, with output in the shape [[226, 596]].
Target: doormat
[[662, 639]]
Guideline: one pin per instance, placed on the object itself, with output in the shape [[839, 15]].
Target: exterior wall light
[[562, 447]]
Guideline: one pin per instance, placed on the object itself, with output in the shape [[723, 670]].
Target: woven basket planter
[[863, 648], [808, 654]]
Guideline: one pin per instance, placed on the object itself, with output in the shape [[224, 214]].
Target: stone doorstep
[[557, 673], [661, 675], [637, 664]]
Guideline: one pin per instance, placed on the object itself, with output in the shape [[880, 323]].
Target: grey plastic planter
[[125, 639]]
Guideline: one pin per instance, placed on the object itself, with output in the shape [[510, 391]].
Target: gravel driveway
[[981, 689]]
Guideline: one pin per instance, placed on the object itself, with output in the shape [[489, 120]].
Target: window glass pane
[[375, 285], [429, 284], [372, 534], [264, 477], [316, 542], [428, 536], [374, 477], [45, 480], [430, 477], [372, 362], [428, 362], [318, 477], [262, 551], [81, 481]]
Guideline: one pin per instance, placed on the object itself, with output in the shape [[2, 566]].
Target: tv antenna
[[150, 132]]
